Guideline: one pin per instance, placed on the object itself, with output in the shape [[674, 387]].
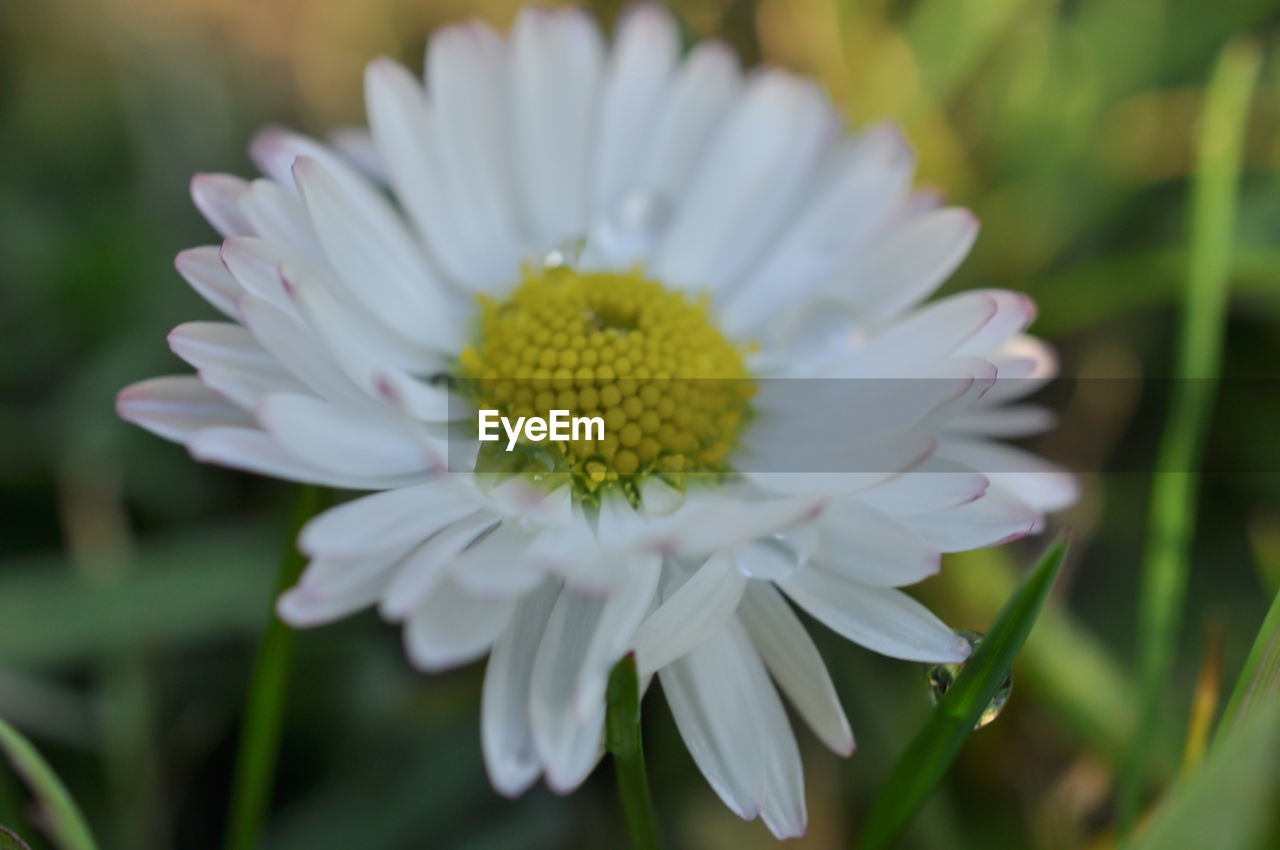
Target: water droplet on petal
[[565, 254], [941, 676]]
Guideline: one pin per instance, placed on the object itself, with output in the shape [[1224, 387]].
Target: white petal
[[304, 608], [690, 615], [998, 517], [329, 590], [556, 59], [467, 78], [507, 741], [255, 264], [295, 346], [1042, 484], [569, 550], [907, 264], [934, 331], [625, 607], [274, 150], [217, 196], [377, 363], [566, 742], [1021, 420], [349, 441], [868, 547], [934, 485], [766, 559], [246, 390], [801, 418], [203, 270], [279, 217], [222, 344], [429, 563], [357, 147], [253, 451], [846, 469], [702, 91], [750, 182], [1014, 312], [385, 521], [453, 628], [231, 362], [177, 407], [640, 67], [883, 620], [1025, 364], [789, 653], [402, 128], [497, 564], [856, 188], [713, 701], [722, 524], [376, 259]]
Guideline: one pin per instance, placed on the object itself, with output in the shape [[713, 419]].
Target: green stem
[[264, 708], [622, 737], [1171, 521]]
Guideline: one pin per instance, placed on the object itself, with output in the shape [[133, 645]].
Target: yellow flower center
[[673, 393]]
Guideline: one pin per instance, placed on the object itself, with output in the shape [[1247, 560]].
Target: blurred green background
[[133, 582]]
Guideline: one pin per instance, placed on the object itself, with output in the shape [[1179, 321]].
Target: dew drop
[[565, 254], [941, 676]]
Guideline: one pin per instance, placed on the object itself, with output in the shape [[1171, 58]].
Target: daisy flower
[[707, 261]]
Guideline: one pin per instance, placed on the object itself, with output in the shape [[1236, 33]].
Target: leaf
[[1171, 519], [66, 826], [935, 746], [1260, 677], [211, 583], [1229, 802]]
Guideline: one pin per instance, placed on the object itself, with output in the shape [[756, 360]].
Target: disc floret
[[673, 392]]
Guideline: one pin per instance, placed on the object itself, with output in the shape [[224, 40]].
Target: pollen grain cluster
[[673, 392]]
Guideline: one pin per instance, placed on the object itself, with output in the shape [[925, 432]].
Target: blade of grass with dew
[[1171, 519], [264, 707], [64, 822], [1063, 664], [1260, 677], [1229, 802], [935, 746]]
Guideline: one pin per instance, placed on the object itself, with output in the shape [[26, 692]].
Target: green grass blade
[[66, 826], [1064, 665], [934, 747], [1228, 803], [622, 739], [1260, 677], [1172, 513], [264, 709]]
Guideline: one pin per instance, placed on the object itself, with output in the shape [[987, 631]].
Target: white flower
[[594, 195]]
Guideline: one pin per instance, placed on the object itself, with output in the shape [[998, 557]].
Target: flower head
[[705, 261]]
